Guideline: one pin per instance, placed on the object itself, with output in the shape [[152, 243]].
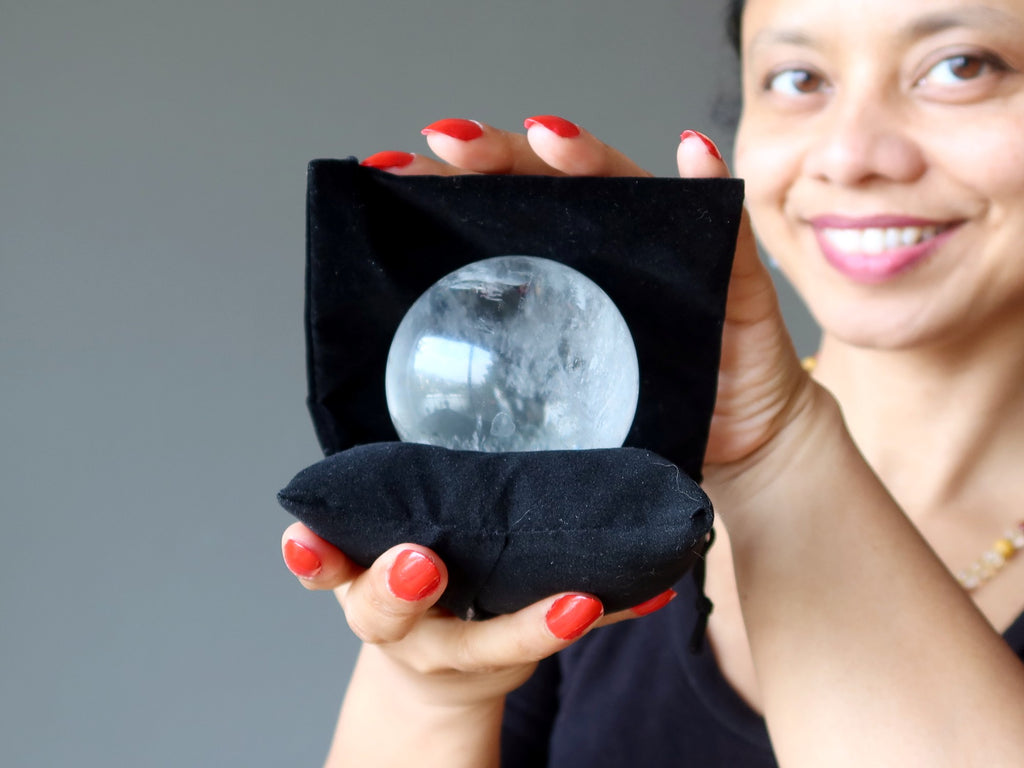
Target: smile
[[880, 248], [877, 240]]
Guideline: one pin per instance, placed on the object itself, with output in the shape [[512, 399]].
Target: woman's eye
[[795, 82], [962, 68]]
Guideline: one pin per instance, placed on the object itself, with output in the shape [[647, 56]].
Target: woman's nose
[[860, 141]]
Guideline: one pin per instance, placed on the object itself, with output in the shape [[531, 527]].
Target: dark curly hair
[[733, 20], [726, 108]]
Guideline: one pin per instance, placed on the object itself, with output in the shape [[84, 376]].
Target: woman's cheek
[[767, 180], [993, 163]]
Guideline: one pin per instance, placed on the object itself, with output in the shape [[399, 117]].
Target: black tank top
[[632, 694]]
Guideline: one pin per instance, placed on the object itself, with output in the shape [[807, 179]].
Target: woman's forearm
[[387, 720], [867, 652]]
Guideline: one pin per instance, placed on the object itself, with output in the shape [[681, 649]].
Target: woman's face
[[882, 142]]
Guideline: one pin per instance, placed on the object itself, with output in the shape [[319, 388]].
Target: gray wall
[[152, 160]]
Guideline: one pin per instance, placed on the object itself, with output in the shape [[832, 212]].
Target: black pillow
[[660, 248], [513, 527]]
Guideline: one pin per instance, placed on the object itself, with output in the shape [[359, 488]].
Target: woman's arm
[[427, 688], [867, 652], [389, 715]]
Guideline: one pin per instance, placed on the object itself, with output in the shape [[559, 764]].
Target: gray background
[[152, 159]]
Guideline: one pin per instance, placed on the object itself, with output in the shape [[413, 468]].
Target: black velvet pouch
[[623, 524]]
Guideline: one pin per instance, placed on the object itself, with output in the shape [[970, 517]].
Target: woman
[[882, 144]]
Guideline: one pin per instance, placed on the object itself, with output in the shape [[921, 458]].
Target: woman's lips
[[875, 249]]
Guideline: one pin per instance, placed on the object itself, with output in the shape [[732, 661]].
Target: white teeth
[[910, 236], [875, 240], [844, 239], [872, 240]]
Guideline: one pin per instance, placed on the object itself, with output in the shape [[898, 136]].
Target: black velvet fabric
[[660, 248], [512, 528]]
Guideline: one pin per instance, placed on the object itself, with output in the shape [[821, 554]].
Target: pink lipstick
[[874, 249]]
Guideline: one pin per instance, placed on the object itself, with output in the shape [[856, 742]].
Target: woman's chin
[[888, 328]]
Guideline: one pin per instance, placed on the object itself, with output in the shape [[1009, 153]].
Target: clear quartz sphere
[[513, 353]]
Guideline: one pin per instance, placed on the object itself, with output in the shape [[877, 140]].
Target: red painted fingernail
[[557, 125], [457, 128], [571, 615], [656, 603], [709, 145], [301, 560], [389, 159], [413, 576]]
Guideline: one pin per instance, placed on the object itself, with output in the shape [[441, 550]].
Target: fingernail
[[413, 576], [457, 128], [656, 603], [389, 159], [557, 125], [301, 560], [571, 615], [709, 145]]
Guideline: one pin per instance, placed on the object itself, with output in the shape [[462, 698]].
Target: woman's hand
[[761, 384], [391, 605], [426, 684], [446, 678], [550, 146], [760, 380]]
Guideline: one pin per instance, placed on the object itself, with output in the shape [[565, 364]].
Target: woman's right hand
[[443, 660], [427, 686]]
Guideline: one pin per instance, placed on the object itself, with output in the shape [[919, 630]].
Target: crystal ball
[[513, 353]]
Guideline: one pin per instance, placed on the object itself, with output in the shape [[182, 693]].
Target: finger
[[698, 157], [383, 604], [507, 641], [760, 373], [318, 564], [409, 164], [751, 292], [572, 150], [645, 608], [481, 148]]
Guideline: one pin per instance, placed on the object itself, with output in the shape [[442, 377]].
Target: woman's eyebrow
[[978, 16], [781, 36]]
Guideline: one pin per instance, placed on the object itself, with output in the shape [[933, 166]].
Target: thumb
[[760, 372], [751, 291]]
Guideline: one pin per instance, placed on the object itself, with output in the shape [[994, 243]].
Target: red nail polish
[[389, 159], [557, 125], [413, 576], [571, 615], [656, 603], [709, 145], [457, 128], [301, 560]]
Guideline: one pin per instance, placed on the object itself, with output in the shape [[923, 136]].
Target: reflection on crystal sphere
[[514, 353]]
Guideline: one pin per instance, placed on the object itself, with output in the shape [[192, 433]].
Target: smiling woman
[[920, 102], [881, 147]]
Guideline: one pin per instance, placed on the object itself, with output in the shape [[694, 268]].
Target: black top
[[633, 694]]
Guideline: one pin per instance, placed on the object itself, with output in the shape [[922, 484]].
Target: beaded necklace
[[991, 560]]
